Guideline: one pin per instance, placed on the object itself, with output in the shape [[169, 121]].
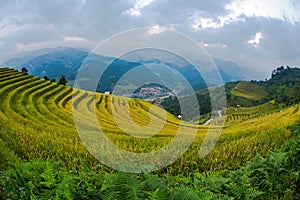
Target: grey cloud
[[280, 43], [178, 7], [180, 13], [49, 21]]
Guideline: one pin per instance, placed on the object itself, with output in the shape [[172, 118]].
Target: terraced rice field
[[249, 90], [37, 122], [244, 113]]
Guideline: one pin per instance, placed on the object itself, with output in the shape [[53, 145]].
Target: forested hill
[[284, 86], [282, 89]]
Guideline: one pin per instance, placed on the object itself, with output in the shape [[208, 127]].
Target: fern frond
[[184, 193]]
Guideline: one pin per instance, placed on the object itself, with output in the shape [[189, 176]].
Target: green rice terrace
[[43, 157], [249, 90]]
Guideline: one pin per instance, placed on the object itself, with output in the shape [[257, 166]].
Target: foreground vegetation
[[275, 176], [43, 156]]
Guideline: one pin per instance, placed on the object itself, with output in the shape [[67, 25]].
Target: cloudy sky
[[260, 34]]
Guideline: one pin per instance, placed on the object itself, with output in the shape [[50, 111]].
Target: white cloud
[[81, 4], [30, 46], [139, 5], [9, 29], [238, 9], [75, 39], [66, 40], [156, 30], [283, 10], [204, 23], [255, 40], [212, 23], [213, 44]]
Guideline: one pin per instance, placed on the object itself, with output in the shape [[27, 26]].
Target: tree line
[[62, 79]]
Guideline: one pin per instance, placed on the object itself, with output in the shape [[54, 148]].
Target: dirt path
[[208, 121]]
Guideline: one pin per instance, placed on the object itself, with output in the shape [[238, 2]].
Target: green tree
[[62, 80], [46, 78]]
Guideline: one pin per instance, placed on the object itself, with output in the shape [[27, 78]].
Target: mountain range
[[67, 61]]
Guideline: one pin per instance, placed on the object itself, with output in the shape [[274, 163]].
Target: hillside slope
[[281, 90], [249, 90], [37, 121], [44, 111], [245, 93]]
